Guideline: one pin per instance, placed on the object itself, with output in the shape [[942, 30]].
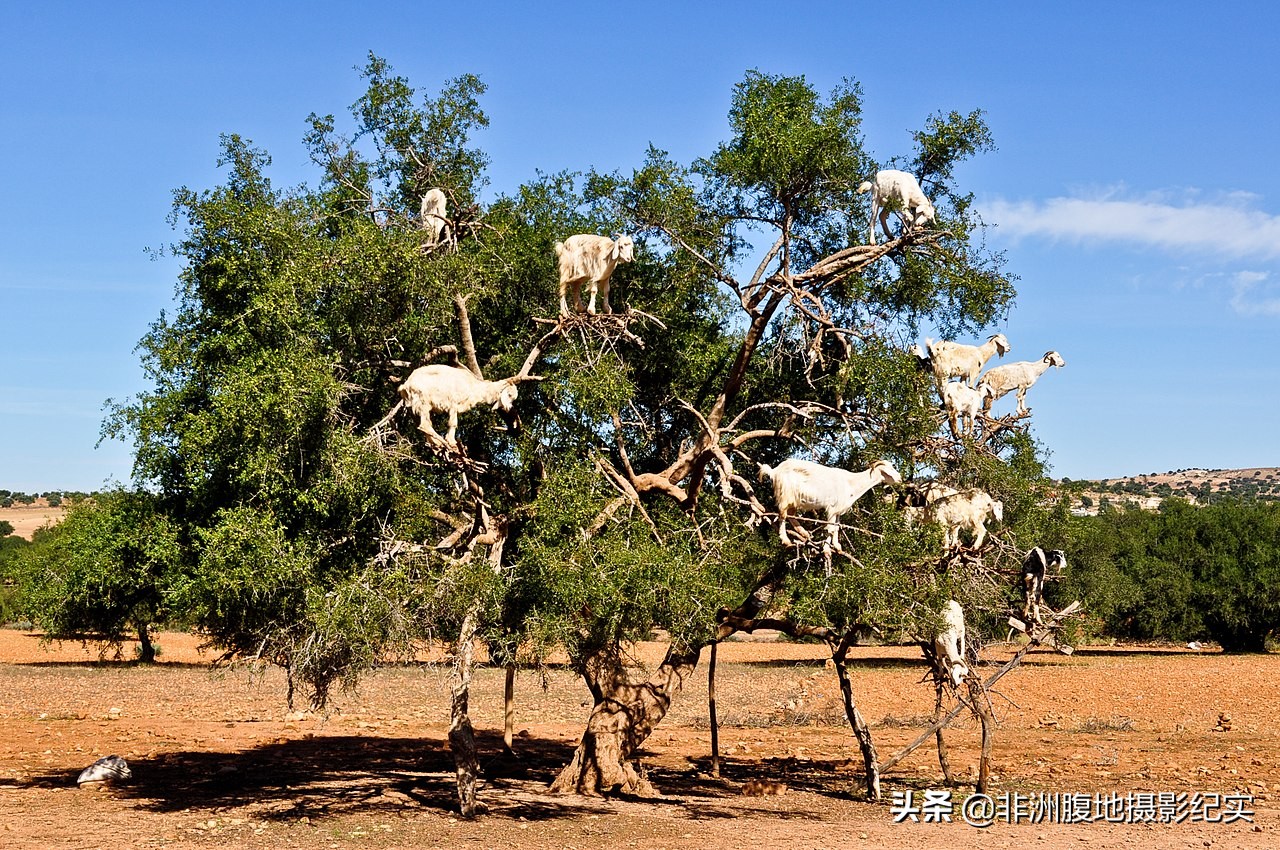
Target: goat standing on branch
[[900, 192], [587, 258], [957, 360], [802, 485], [1019, 376], [1034, 567], [433, 217], [452, 389], [966, 509], [962, 404]]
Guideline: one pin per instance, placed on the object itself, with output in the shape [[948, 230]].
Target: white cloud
[[1228, 227], [1254, 294]]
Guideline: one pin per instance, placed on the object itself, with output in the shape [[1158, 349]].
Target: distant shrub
[[1182, 573]]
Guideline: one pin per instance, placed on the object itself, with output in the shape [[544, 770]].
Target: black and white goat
[[1034, 566]]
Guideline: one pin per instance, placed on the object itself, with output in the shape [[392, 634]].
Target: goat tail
[[559, 246], [865, 187], [766, 472]]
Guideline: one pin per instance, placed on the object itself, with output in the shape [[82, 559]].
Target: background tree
[[1181, 573], [102, 574], [10, 546]]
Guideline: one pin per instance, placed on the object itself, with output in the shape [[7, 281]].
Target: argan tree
[[321, 531]]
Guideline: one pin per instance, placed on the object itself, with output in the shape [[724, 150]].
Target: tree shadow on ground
[[113, 664], [329, 776]]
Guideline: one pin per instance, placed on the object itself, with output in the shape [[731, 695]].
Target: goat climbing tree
[[323, 532]]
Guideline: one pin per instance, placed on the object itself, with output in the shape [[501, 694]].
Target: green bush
[[1182, 573]]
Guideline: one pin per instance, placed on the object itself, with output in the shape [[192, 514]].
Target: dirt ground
[[219, 761], [26, 519]]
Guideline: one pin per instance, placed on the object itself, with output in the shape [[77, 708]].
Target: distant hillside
[[1197, 486], [26, 518]]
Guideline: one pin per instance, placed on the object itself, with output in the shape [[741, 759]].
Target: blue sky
[[1135, 187]]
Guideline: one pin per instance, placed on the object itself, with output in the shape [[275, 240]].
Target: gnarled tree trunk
[[146, 646], [626, 712], [624, 715]]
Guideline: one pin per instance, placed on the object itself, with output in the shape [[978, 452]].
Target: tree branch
[[464, 330]]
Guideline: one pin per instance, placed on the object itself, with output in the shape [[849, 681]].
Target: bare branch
[[716, 271], [625, 486], [751, 295], [804, 413], [621, 443], [464, 330], [604, 516]]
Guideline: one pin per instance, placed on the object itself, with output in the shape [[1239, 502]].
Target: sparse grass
[[780, 717]]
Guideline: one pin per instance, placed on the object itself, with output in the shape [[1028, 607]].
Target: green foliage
[[791, 153], [6, 528], [10, 589], [104, 572], [311, 536], [1206, 573]]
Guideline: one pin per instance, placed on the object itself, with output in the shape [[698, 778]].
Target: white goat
[[957, 360], [591, 259], [966, 509], [802, 485], [949, 645], [435, 388], [963, 404], [1019, 376], [900, 192], [433, 217]]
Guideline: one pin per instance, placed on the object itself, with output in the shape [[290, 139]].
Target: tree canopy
[[315, 528]]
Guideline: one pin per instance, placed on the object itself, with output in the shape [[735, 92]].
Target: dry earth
[[25, 519], [219, 761]]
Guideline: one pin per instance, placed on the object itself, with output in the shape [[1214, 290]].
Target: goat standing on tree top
[[1019, 376], [956, 360], [433, 217], [900, 192], [587, 258]]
